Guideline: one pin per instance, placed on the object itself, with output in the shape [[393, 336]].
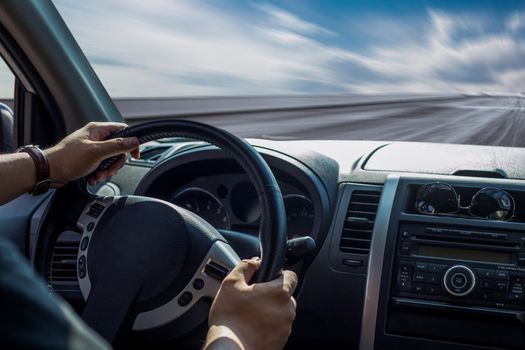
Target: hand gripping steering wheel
[[147, 264]]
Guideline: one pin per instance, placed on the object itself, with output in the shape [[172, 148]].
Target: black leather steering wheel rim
[[272, 231]]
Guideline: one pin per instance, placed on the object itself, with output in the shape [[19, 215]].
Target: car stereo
[[459, 265]]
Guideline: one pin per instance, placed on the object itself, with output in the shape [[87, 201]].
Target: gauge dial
[[204, 204], [299, 215]]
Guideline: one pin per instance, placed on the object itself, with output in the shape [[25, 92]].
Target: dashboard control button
[[84, 243], [494, 285], [420, 266], [502, 275], [405, 248], [433, 290], [404, 281], [491, 296], [215, 270], [419, 288], [198, 283], [516, 288], [516, 296], [95, 210], [82, 266], [459, 280], [436, 268], [91, 226], [422, 277], [485, 273], [185, 298], [419, 277]]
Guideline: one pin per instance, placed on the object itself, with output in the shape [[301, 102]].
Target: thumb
[[114, 147], [246, 269]]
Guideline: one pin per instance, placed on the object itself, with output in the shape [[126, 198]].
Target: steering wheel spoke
[[204, 284]]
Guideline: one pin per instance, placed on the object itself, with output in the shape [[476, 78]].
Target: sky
[[170, 48]]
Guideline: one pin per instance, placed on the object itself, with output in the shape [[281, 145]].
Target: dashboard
[[230, 202], [386, 274]]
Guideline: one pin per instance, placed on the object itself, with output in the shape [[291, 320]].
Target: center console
[[460, 265], [446, 281]]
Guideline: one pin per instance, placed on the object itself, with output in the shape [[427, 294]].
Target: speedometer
[[204, 204], [299, 215]]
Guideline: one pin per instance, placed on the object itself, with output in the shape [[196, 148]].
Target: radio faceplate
[[461, 266]]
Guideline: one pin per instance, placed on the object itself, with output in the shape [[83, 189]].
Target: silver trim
[[17, 72], [37, 219], [219, 252], [469, 271], [375, 263], [82, 223]]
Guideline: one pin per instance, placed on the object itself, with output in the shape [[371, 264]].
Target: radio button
[[419, 288], [421, 266], [501, 275], [435, 268], [494, 285], [484, 273], [459, 280], [516, 288], [425, 278], [405, 248], [404, 282], [433, 290]]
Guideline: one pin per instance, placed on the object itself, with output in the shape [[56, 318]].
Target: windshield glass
[[439, 71]]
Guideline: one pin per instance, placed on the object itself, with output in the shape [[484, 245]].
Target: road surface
[[479, 120]]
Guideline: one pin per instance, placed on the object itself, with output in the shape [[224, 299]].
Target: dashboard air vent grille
[[62, 272], [359, 222], [153, 153]]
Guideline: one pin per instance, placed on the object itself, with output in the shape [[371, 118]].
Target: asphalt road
[[471, 120]]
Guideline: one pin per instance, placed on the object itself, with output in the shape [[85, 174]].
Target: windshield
[[439, 71]]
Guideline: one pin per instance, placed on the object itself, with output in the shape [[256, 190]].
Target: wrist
[[55, 174], [222, 336], [40, 160]]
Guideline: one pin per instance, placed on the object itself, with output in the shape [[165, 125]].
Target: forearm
[[17, 175], [222, 338]]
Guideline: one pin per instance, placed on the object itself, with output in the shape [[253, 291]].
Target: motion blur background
[[390, 70]]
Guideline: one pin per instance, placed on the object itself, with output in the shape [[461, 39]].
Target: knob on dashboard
[[459, 280]]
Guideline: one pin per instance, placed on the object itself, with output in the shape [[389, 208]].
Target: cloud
[[177, 48], [290, 21], [516, 21]]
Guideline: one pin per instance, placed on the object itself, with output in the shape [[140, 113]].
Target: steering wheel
[[144, 263]]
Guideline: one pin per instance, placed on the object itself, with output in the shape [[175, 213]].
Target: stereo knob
[[459, 281]]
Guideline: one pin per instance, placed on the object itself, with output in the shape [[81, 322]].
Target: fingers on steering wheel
[[135, 153], [289, 281], [245, 270], [112, 170]]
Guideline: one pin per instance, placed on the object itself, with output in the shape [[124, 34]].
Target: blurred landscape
[[464, 119]]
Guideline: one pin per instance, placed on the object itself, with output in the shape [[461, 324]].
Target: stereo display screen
[[464, 254]]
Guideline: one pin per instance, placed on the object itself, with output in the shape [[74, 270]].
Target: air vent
[[359, 222], [62, 272], [152, 154]]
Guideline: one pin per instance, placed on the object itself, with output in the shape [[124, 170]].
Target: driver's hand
[[256, 316], [81, 152]]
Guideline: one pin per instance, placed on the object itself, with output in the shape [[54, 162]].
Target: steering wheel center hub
[[140, 237]]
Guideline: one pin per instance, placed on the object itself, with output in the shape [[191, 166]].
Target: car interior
[[397, 245]]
